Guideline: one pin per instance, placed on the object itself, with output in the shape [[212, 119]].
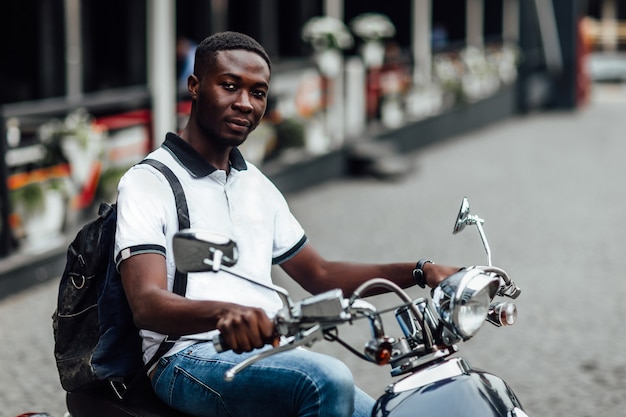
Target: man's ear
[[192, 85]]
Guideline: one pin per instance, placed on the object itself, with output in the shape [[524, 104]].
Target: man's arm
[[316, 274], [155, 308]]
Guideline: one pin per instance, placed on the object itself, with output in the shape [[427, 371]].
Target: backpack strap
[[180, 279]]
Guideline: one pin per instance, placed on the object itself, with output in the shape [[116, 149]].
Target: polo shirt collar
[[193, 162]]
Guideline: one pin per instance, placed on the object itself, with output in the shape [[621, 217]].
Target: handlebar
[[219, 343], [309, 320]]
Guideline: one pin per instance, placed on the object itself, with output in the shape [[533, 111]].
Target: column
[[474, 23], [73, 52], [609, 25], [549, 36], [510, 21], [334, 8], [421, 22], [162, 67], [335, 111]]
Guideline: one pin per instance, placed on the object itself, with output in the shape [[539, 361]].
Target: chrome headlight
[[462, 301]]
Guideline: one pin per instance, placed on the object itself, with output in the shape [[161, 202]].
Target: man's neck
[[216, 155]]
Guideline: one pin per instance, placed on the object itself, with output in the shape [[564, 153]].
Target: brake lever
[[307, 337], [509, 288]]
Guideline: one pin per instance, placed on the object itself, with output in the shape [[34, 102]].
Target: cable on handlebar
[[331, 335]]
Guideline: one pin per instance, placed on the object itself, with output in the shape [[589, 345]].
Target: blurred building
[[87, 87]]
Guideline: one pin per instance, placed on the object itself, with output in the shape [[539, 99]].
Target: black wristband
[[418, 272]]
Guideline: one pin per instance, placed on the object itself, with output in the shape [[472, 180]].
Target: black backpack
[[96, 341]]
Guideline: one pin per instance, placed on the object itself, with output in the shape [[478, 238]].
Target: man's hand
[[245, 328], [435, 273]]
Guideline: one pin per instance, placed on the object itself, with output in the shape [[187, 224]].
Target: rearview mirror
[[205, 251], [463, 216], [201, 251]]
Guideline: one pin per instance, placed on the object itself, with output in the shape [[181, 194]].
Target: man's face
[[231, 96]]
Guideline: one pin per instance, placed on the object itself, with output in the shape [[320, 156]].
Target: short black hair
[[224, 41]]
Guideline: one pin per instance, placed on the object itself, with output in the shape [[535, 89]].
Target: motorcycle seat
[[102, 402]]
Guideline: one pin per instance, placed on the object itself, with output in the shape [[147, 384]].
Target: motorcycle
[[432, 381]]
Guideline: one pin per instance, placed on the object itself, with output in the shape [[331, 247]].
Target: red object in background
[[21, 179], [88, 192], [183, 107], [583, 78], [128, 119], [373, 92], [140, 117], [310, 96]]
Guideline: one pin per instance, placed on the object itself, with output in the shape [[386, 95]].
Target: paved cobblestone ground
[[550, 187]]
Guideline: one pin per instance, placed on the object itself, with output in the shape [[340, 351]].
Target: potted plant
[[328, 36], [39, 207], [77, 140], [372, 28], [40, 197]]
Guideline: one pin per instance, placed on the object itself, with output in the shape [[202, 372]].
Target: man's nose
[[243, 102]]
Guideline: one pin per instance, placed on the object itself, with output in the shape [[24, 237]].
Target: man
[[185, 56], [225, 194]]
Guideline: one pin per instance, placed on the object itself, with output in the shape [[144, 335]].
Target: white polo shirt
[[243, 205]]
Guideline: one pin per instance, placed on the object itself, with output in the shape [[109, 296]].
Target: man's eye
[[229, 86], [259, 93]]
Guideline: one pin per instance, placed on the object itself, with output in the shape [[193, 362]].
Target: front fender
[[469, 394]]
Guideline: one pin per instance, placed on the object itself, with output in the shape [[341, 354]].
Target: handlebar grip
[[219, 343]]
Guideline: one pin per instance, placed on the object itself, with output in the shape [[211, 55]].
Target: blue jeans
[[293, 383]]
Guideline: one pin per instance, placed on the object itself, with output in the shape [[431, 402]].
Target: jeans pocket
[[191, 395], [159, 368]]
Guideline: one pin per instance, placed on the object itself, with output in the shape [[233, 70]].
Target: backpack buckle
[[104, 209]]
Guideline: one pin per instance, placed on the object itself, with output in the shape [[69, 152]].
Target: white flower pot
[[43, 229]]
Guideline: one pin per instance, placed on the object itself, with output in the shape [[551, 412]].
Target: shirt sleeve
[[289, 236], [141, 214]]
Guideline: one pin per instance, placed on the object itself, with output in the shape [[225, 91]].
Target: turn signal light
[[379, 351], [502, 314]]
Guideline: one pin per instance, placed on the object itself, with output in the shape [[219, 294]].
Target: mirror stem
[[282, 293], [479, 224]]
